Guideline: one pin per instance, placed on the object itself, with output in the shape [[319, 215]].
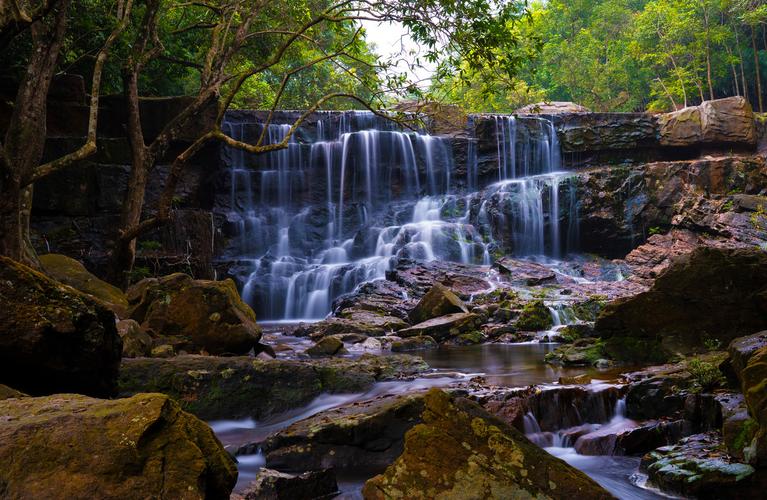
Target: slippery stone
[[461, 451], [71, 446], [275, 485], [366, 434], [443, 327], [328, 346], [201, 315], [212, 387], [54, 338]]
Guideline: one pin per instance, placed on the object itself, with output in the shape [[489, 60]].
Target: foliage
[[706, 375]]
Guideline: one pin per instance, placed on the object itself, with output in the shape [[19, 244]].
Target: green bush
[[706, 375]]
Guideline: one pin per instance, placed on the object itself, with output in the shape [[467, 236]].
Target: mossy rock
[[210, 315], [535, 316], [71, 272], [54, 338], [438, 301], [72, 446], [461, 451]]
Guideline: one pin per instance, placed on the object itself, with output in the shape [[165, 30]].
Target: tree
[[22, 147]]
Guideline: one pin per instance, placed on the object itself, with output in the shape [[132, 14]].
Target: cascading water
[[351, 194]]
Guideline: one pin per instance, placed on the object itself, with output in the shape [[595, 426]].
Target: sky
[[390, 40]]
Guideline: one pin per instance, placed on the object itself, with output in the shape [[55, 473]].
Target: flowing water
[[351, 194]]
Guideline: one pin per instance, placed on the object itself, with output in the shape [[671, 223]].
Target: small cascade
[[352, 194]]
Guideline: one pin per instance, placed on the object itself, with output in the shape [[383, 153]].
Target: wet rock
[[204, 315], [738, 428], [583, 352], [213, 387], [556, 407], [700, 468], [708, 294], [71, 272], [162, 351], [461, 451], [353, 321], [136, 343], [629, 438], [328, 346], [7, 393], [274, 485], [413, 344], [443, 328], [742, 349], [649, 260], [438, 301], [367, 434], [535, 316], [54, 338], [525, 272], [71, 446], [722, 121], [754, 385]]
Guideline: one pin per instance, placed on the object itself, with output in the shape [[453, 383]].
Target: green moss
[[706, 376], [636, 350], [535, 316], [746, 434]]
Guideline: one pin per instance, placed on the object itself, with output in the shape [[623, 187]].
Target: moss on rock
[[535, 316]]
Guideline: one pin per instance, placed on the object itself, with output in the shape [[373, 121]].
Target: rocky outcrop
[[213, 387], [195, 315], [708, 294], [275, 485], [70, 446], [722, 121], [136, 342], [71, 272], [54, 338], [552, 108], [697, 467], [460, 451], [438, 301], [368, 434]]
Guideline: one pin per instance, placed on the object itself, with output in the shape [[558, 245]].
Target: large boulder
[[444, 327], [461, 451], [723, 121], [707, 295], [72, 446], [438, 301], [71, 272], [200, 315], [53, 338], [367, 434], [552, 108], [213, 387], [275, 485], [748, 359]]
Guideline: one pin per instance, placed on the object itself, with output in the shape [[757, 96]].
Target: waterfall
[[352, 194]]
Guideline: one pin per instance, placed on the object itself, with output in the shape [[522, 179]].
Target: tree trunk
[[756, 70], [744, 85], [124, 254]]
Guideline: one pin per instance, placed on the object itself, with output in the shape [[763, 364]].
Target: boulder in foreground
[[460, 451], [198, 315], [274, 485], [71, 446], [54, 338]]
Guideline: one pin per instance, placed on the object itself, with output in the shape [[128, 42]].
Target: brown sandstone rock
[[438, 301], [722, 121], [71, 446]]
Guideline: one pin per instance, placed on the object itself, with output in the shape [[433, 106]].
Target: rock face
[[53, 338], [460, 451], [438, 301], [70, 446], [196, 314], [213, 387], [708, 294], [71, 272], [722, 121], [366, 434]]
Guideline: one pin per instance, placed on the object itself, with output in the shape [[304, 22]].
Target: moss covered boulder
[[709, 294], [753, 380], [535, 316], [438, 301], [461, 451], [71, 446], [213, 387], [54, 338], [199, 315], [71, 272]]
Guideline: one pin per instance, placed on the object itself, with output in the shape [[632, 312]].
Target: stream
[[509, 365]]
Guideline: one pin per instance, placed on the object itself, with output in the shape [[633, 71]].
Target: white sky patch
[[392, 42]]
